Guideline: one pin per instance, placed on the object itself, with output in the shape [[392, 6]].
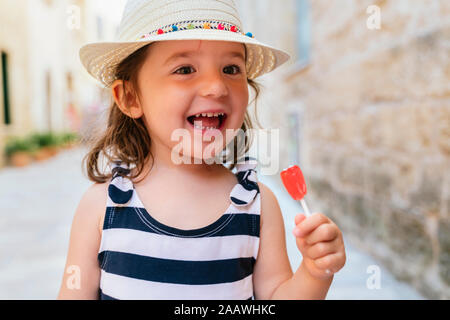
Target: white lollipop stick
[[305, 208]]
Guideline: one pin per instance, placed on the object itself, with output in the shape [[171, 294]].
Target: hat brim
[[101, 59]]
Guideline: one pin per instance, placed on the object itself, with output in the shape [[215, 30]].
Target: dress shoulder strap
[[120, 189]]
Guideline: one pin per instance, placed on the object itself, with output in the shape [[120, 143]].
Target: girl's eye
[[238, 70], [183, 69], [186, 69]]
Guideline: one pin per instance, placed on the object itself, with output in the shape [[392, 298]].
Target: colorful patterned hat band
[[196, 24]]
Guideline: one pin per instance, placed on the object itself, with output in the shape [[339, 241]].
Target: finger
[[333, 262], [311, 223], [299, 218], [324, 232], [321, 249], [301, 245]]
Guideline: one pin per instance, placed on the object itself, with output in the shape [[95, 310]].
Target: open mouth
[[207, 121]]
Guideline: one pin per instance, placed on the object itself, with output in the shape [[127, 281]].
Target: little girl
[[166, 222]]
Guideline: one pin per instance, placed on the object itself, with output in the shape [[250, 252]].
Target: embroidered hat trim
[[196, 24]]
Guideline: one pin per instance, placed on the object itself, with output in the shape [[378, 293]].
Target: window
[[5, 89], [303, 30]]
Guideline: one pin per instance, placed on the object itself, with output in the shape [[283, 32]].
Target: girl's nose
[[213, 85]]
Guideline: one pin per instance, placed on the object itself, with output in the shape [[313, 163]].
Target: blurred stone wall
[[376, 133]]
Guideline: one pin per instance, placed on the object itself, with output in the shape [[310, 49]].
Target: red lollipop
[[294, 182]]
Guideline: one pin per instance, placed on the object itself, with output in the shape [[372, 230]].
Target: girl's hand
[[320, 243]]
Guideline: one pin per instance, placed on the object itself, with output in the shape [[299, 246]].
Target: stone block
[[379, 178], [427, 196], [322, 191], [408, 238], [444, 248], [320, 159], [350, 172], [320, 187], [365, 216], [443, 129], [369, 131], [424, 123], [345, 128], [444, 212], [406, 177], [346, 222]]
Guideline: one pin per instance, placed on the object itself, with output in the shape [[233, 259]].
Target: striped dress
[[141, 258]]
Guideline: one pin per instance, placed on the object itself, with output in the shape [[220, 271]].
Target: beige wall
[[11, 12], [41, 45]]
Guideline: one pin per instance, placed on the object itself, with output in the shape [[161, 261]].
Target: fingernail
[[328, 271], [296, 232]]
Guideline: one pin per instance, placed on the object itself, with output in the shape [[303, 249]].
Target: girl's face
[[180, 79]]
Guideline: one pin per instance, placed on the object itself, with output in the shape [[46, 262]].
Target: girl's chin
[[195, 158], [198, 151]]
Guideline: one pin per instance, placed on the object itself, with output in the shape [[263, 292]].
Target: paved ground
[[37, 206]]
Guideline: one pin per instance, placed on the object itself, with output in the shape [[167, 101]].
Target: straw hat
[[147, 21]]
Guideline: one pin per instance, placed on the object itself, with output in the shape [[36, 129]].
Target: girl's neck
[[162, 163]]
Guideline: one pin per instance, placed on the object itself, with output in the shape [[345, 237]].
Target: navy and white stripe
[[141, 258]]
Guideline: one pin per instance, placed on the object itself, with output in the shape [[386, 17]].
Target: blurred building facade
[[366, 113], [43, 86]]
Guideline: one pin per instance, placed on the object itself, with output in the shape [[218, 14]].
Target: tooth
[[197, 116], [210, 115], [204, 114]]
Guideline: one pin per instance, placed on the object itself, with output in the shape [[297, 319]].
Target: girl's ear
[[126, 100]]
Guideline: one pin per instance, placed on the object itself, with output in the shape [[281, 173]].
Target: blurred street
[[35, 229]]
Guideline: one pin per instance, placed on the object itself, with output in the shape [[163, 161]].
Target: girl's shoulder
[[94, 202]]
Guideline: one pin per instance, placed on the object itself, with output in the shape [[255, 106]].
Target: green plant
[[36, 141], [17, 144], [47, 139], [68, 137]]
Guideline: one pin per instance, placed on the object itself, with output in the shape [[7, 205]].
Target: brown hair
[[127, 140]]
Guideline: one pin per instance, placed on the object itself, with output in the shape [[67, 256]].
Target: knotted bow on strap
[[120, 189], [247, 188]]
